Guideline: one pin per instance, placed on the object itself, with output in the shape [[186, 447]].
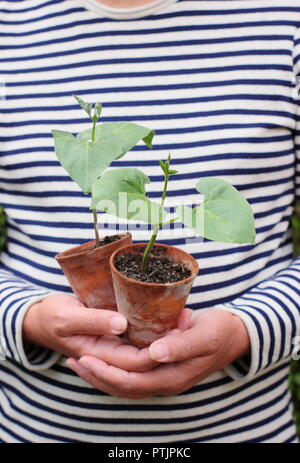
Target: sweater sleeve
[[16, 297], [271, 310], [297, 132]]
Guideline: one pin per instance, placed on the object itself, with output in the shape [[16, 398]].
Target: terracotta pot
[[87, 270], [152, 309]]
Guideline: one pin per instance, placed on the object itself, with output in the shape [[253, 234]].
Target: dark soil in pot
[[158, 270], [109, 239]]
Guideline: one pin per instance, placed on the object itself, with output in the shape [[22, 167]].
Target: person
[[216, 80]]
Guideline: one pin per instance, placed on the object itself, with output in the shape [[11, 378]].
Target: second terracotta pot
[[87, 270], [152, 309]]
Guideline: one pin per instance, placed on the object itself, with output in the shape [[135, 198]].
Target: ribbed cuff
[[12, 344]]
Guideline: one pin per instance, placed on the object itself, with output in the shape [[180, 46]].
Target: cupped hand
[[214, 339], [61, 323]]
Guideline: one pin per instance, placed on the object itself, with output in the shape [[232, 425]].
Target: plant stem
[[153, 238], [96, 228], [149, 247], [168, 222], [156, 228], [93, 129], [94, 210]]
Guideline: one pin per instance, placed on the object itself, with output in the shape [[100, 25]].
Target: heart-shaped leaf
[[224, 215], [125, 134], [121, 192], [84, 160]]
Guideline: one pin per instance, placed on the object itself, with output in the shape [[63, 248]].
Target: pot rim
[[194, 271], [84, 248]]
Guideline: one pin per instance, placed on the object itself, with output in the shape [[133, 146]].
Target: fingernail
[[158, 352], [118, 324]]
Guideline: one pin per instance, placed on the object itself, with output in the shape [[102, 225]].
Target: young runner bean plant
[[224, 215], [88, 154]]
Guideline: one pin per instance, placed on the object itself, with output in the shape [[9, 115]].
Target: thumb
[[185, 319], [94, 322], [182, 346]]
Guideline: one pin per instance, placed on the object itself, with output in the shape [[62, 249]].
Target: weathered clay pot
[[152, 309], [88, 272]]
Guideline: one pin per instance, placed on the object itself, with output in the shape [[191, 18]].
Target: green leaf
[[83, 160], [87, 107], [224, 216], [121, 192], [86, 161], [125, 134], [167, 163], [97, 110], [172, 172], [162, 165]]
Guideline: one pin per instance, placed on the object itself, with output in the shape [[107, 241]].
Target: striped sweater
[[217, 80]]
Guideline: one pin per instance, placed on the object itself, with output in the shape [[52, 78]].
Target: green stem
[[152, 241], [149, 247], [155, 229], [168, 222], [93, 129], [95, 210], [96, 228]]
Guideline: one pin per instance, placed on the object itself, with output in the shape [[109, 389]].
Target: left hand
[[214, 339]]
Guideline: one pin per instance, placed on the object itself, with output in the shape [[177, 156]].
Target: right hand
[[61, 323]]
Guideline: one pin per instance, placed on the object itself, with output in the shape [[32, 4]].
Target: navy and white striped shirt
[[216, 79]]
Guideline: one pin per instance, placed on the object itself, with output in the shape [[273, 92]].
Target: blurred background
[[295, 365]]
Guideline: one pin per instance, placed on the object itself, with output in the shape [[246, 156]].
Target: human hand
[[117, 352], [214, 339], [61, 323]]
